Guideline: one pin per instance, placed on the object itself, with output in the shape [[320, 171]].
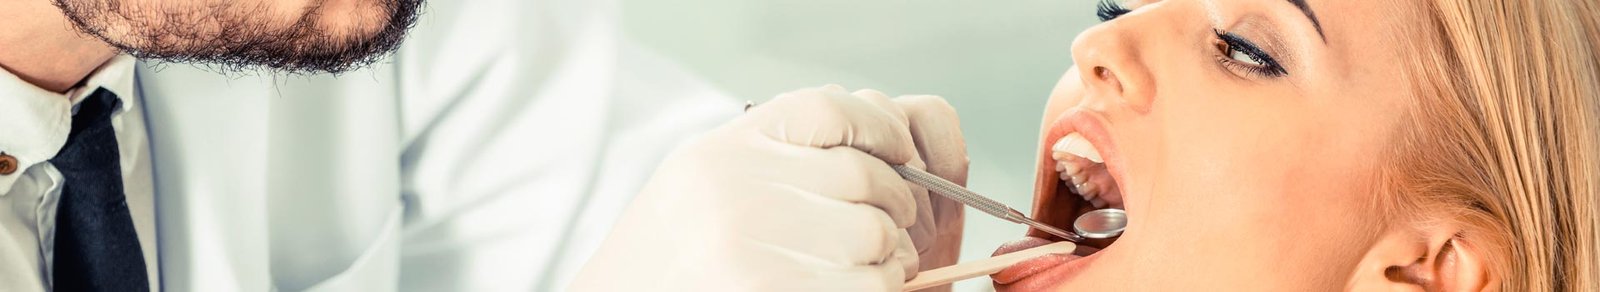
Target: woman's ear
[[1422, 258]]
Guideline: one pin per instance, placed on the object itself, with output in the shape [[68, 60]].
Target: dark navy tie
[[96, 247]]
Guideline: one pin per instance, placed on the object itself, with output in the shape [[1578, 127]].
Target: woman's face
[[1241, 136]]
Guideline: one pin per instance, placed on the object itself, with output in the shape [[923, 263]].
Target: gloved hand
[[795, 195], [937, 133]]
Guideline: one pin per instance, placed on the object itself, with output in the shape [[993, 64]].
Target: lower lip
[[1042, 273]]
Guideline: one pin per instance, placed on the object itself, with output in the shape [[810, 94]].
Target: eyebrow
[[1311, 15]]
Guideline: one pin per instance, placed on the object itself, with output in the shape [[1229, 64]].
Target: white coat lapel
[[208, 140], [334, 181], [266, 183]]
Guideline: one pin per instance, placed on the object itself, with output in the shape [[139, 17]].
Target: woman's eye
[[1239, 52], [1242, 57], [1110, 9]]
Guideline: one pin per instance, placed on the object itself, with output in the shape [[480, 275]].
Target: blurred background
[[995, 61]]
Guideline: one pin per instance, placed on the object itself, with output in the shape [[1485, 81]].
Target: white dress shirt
[[492, 152], [34, 124]]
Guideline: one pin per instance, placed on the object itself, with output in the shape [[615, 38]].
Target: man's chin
[[236, 40]]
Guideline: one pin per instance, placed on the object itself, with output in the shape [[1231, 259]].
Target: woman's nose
[[1109, 62]]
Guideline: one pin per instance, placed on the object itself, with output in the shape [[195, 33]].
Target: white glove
[[795, 195]]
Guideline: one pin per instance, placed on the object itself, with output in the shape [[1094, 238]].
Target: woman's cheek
[[1067, 94]]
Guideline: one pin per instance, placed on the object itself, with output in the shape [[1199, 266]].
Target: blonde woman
[[1299, 145], [1257, 145]]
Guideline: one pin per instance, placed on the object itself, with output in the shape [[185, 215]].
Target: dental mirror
[[1102, 223]]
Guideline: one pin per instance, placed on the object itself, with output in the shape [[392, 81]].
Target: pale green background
[[995, 61]]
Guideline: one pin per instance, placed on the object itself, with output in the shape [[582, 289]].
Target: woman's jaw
[[1067, 184]]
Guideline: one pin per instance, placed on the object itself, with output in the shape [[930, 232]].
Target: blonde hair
[[1505, 137]]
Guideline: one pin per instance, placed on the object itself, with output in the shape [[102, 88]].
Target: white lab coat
[[490, 154]]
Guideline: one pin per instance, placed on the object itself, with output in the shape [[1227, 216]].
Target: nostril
[[1108, 78]]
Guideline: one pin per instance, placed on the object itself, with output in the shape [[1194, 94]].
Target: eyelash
[[1227, 43], [1110, 9]]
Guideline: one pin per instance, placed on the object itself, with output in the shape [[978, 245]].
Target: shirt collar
[[34, 122], [116, 75]]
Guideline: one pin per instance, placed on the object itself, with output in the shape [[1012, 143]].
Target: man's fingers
[[871, 234], [936, 132], [922, 233], [830, 117], [906, 254], [848, 175], [879, 277], [883, 102]]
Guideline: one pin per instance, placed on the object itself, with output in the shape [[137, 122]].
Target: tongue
[[1020, 244]]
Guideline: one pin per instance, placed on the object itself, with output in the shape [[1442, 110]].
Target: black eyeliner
[[1269, 66], [1110, 9]]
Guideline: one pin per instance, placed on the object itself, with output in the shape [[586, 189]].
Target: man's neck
[[39, 45]]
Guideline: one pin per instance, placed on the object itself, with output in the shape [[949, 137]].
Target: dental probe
[[967, 197]]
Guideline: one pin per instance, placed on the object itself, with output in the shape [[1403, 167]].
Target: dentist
[[490, 152]]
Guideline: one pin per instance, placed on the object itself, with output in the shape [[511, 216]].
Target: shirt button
[[8, 164]]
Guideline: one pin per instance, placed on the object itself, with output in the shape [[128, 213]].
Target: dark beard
[[241, 39]]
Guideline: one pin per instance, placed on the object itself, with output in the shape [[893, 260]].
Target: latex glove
[[796, 194], [936, 130]]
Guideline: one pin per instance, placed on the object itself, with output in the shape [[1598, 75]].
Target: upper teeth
[[1076, 145], [1076, 171]]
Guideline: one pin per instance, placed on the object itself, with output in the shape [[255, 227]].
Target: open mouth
[[1079, 171]]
